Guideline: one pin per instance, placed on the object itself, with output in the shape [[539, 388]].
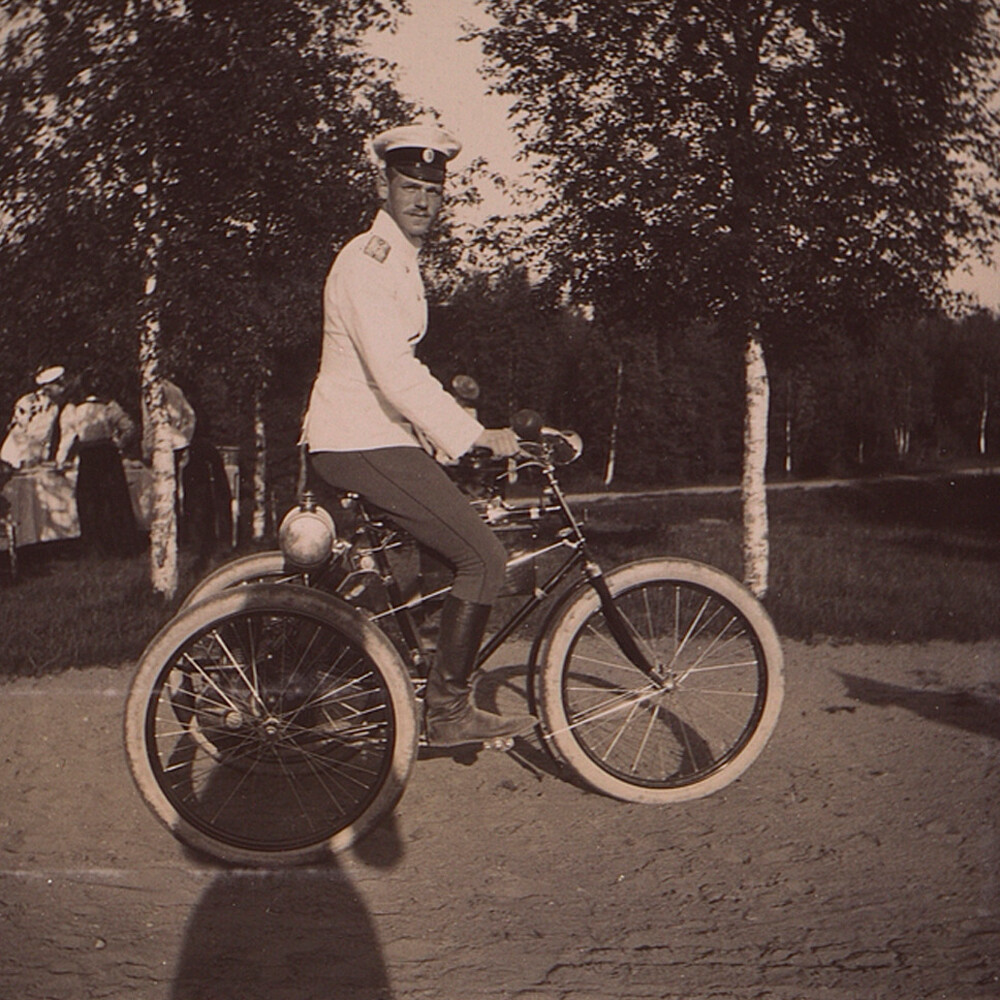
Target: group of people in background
[[56, 426]]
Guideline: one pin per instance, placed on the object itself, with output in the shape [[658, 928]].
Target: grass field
[[885, 561], [894, 560]]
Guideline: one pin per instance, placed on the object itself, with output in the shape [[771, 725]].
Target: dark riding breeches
[[416, 493]]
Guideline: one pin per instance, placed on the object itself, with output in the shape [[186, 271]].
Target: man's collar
[[385, 226]]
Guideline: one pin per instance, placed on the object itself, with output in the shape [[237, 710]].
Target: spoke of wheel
[[720, 639], [335, 777], [325, 676], [369, 735], [252, 645], [329, 776], [308, 649], [609, 704], [172, 734], [641, 640], [205, 697], [211, 682], [735, 665], [303, 811], [650, 628], [232, 792], [342, 770], [621, 731], [250, 685], [654, 715], [685, 735], [712, 705], [722, 692], [606, 708], [244, 750], [337, 693], [359, 728], [627, 665], [691, 628]]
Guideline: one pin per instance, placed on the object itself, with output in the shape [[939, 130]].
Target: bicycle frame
[[571, 536]]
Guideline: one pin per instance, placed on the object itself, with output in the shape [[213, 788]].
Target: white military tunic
[[371, 391]]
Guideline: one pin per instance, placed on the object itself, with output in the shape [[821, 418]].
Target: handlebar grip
[[527, 424]]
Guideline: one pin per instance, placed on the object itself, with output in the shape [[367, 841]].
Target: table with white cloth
[[43, 502]]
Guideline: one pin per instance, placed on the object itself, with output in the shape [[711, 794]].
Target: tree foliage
[[787, 158], [249, 119], [838, 400]]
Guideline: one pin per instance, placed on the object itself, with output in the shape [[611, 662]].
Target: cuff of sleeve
[[461, 437]]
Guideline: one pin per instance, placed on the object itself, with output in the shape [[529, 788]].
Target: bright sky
[[441, 72]]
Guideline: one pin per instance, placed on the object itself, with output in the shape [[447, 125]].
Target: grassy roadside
[[891, 561], [885, 561]]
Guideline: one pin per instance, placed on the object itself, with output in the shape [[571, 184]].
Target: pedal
[[502, 743]]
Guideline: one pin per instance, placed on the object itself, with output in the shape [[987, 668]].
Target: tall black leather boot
[[451, 718]]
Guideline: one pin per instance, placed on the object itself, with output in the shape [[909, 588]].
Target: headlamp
[[306, 535]]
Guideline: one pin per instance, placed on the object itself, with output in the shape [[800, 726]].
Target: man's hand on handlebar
[[501, 441]]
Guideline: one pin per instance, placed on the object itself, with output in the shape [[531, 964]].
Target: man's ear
[[382, 183]]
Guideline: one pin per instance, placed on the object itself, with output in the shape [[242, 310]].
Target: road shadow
[[961, 709], [262, 934]]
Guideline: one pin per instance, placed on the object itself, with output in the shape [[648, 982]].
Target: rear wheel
[[701, 718], [258, 567], [269, 724]]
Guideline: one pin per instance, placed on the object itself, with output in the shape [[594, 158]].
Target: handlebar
[[540, 446]]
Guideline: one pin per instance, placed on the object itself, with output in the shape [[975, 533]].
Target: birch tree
[[765, 164]]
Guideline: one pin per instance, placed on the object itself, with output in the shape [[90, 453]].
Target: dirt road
[[859, 857]]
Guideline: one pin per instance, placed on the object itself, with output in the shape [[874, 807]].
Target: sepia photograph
[[500, 499]]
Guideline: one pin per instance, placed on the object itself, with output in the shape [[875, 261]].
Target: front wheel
[[270, 724], [702, 714]]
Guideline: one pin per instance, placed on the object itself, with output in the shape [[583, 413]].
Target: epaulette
[[377, 248]]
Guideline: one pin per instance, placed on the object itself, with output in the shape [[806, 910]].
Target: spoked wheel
[[269, 724], [703, 713]]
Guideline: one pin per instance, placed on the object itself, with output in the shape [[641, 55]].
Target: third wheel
[[269, 724]]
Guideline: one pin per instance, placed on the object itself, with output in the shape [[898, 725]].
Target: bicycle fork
[[618, 626]]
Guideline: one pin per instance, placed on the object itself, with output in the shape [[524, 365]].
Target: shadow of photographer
[[260, 934]]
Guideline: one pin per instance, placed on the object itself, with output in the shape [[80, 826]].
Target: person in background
[[203, 512], [376, 416], [181, 422], [95, 431], [32, 432]]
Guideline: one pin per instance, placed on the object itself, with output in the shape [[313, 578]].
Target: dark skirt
[[107, 522]]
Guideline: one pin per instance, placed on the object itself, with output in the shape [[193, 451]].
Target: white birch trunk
[[259, 470], [901, 439], [753, 492], [163, 526], [609, 469], [788, 426], [984, 416]]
